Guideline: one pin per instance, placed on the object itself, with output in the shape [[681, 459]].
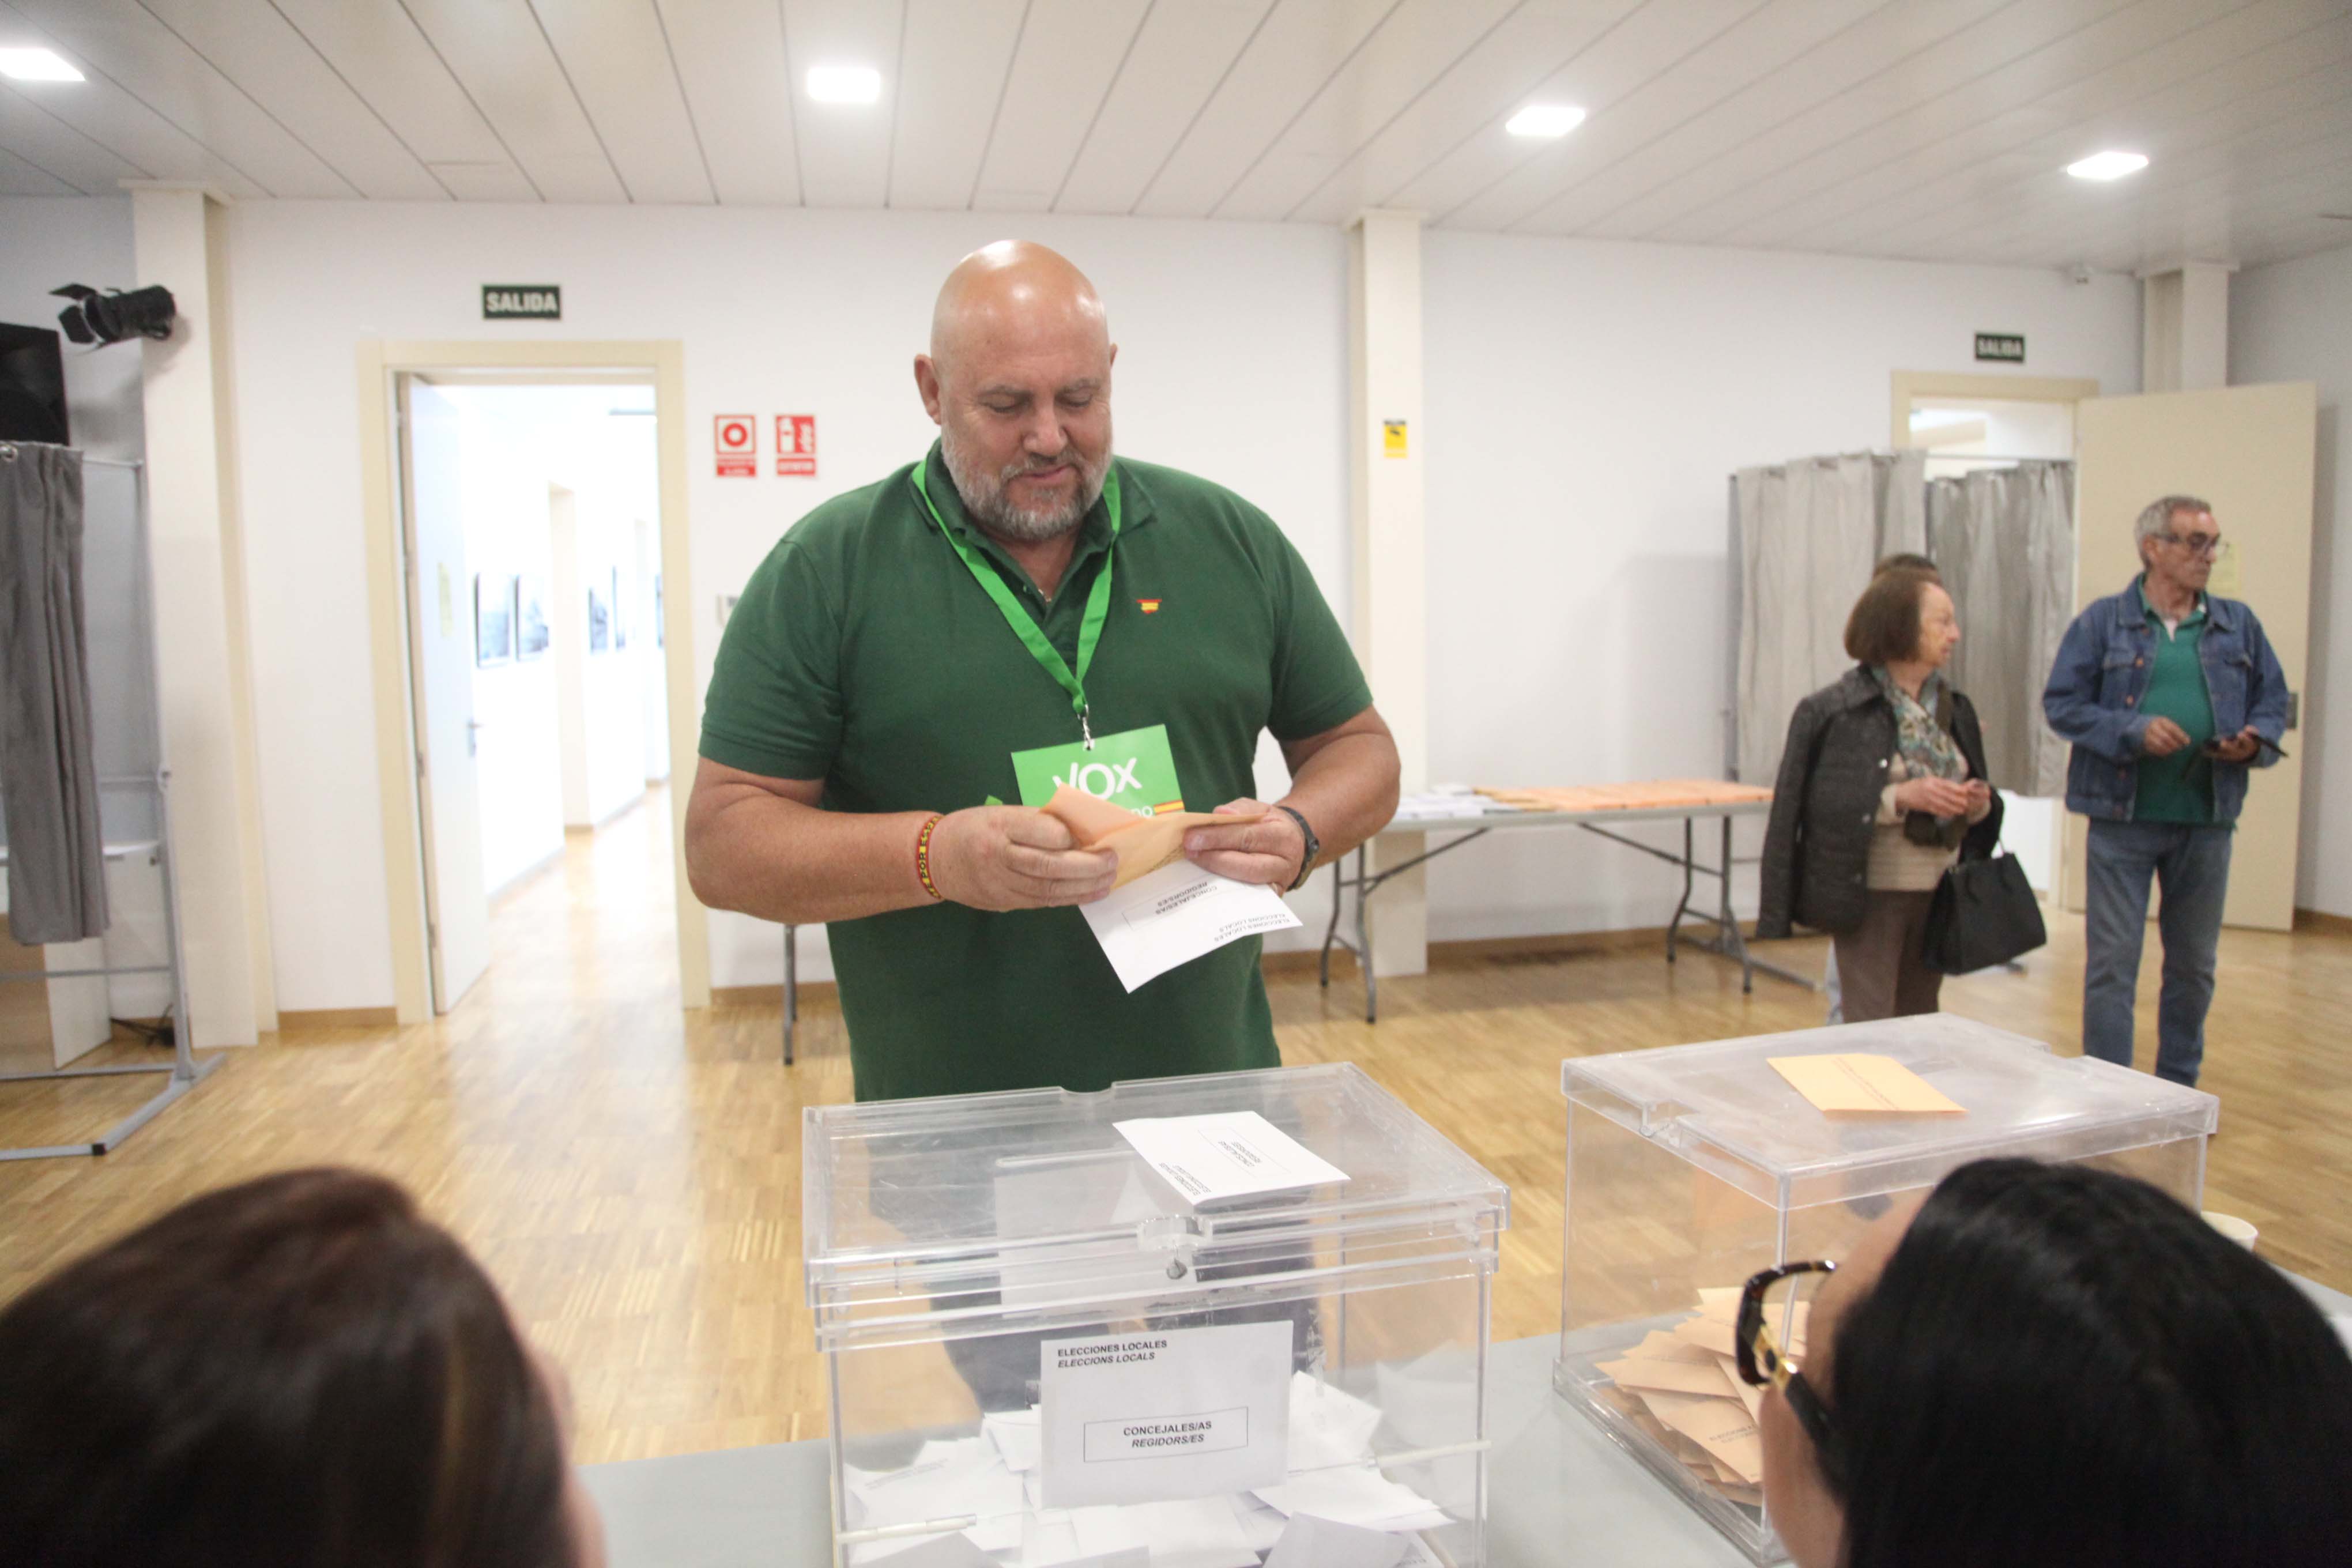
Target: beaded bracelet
[[923, 858]]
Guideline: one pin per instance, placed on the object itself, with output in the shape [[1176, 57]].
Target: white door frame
[[379, 363], [1911, 384], [1961, 386]]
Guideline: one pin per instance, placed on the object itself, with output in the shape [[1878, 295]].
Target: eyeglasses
[[2198, 543], [1768, 1343]]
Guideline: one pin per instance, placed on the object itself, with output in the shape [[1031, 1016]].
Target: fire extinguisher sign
[[738, 444], [796, 446]]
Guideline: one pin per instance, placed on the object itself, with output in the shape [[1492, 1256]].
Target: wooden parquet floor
[[630, 1173]]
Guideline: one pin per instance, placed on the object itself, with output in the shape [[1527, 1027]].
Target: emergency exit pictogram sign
[[796, 446], [738, 443]]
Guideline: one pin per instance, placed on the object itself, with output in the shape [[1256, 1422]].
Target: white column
[[1388, 618], [2185, 328], [180, 240]]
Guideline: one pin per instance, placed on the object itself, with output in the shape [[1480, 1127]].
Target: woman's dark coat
[[1841, 741]]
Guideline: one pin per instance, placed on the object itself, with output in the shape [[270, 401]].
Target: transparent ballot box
[[1259, 1313], [1690, 1168]]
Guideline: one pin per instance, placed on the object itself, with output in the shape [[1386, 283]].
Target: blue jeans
[[2192, 867]]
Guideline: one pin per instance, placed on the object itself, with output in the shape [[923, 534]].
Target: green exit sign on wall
[[522, 301], [2007, 346]]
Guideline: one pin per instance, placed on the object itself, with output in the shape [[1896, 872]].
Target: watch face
[[1314, 845]]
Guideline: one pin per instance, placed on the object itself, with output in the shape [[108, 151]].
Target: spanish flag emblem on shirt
[[1148, 607]]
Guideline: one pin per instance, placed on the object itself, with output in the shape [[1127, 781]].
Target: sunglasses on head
[[1769, 1344]]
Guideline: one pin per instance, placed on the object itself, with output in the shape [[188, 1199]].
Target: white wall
[[612, 686], [2294, 322], [1586, 404], [1231, 365], [1586, 401]]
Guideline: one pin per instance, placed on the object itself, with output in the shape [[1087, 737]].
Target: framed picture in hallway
[[600, 619], [494, 618], [531, 617]]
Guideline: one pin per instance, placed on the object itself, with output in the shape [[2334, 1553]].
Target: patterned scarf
[[1927, 747]]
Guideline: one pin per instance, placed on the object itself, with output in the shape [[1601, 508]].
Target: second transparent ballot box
[[1175, 1323], [1691, 1168]]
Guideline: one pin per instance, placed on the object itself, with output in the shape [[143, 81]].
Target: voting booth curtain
[[1805, 536], [56, 865], [2004, 541]]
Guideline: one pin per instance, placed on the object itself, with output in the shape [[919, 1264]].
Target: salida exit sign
[[522, 301]]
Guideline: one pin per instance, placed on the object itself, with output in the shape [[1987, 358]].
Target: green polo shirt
[[863, 653], [2177, 788]]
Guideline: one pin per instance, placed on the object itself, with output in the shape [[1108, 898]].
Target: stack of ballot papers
[[1681, 1386], [1443, 806], [1334, 1509]]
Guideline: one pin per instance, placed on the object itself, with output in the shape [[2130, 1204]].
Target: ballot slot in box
[[1205, 1323], [1691, 1168]]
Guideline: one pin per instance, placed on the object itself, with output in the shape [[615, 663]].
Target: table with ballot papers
[[1442, 821]]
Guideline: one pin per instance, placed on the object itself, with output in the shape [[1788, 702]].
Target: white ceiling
[[1933, 128]]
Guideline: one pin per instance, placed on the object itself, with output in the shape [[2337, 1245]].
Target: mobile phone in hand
[[2261, 743]]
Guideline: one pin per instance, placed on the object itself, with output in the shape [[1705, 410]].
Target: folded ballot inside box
[[1188, 1324], [1691, 1168]]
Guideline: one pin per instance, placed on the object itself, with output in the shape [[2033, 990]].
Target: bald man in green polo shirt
[[913, 653]]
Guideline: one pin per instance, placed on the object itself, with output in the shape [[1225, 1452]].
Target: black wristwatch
[[1314, 848]]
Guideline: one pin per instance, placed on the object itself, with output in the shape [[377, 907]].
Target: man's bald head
[[1013, 293], [1018, 378]]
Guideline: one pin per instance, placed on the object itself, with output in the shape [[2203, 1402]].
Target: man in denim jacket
[[2170, 695]]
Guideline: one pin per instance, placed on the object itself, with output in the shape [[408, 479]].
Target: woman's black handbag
[[1983, 913]]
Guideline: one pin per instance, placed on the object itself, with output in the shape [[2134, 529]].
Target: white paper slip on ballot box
[[1043, 1351], [1691, 1168]]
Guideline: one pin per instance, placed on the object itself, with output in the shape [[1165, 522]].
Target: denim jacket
[[2101, 674]]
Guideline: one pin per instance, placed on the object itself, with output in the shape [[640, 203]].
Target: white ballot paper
[[1312, 1542], [1329, 1426], [1360, 1497], [1164, 1414], [1225, 1154], [1015, 1434], [1198, 1532], [1177, 913]]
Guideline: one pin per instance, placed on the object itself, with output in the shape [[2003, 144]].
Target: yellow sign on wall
[[1392, 438]]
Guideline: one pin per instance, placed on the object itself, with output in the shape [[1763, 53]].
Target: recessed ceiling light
[[1544, 119], [2108, 165], [36, 65], [844, 84]]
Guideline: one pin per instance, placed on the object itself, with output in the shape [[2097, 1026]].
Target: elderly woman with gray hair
[[1882, 787], [2170, 694]]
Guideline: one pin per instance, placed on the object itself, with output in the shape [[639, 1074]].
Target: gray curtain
[[1808, 533], [2004, 541], [57, 865]]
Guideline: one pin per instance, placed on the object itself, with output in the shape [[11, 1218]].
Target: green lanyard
[[1032, 634]]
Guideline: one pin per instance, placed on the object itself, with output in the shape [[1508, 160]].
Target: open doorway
[[1971, 423], [536, 670], [1963, 435], [525, 506]]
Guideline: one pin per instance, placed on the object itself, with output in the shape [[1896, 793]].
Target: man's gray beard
[[985, 500]]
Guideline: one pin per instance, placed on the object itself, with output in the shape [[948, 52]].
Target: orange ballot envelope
[[1859, 1084], [1144, 844]]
